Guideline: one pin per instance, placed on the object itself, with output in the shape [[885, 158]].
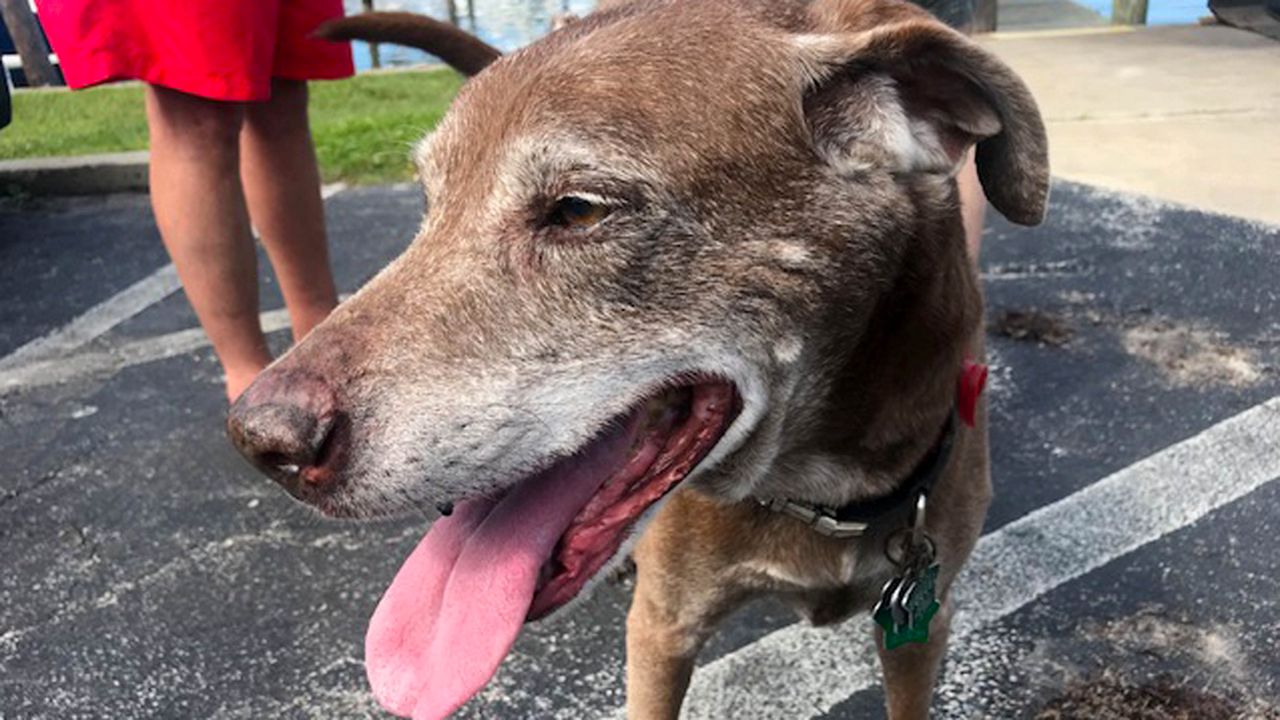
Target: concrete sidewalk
[[78, 174], [1186, 113]]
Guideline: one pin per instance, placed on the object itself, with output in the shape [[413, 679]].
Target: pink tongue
[[457, 604]]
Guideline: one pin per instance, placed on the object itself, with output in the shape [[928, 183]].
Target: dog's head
[[659, 244]]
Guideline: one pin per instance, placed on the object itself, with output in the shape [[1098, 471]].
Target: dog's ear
[[919, 95], [463, 51]]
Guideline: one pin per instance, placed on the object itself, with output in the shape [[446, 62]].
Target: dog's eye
[[573, 211]]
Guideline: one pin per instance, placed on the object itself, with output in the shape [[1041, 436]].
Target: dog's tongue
[[456, 606]]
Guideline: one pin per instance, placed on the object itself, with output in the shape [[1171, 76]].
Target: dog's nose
[[284, 424]]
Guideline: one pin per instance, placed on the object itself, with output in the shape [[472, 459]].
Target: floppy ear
[[463, 51], [918, 95]]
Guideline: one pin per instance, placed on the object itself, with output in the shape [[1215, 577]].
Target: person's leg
[[282, 186], [973, 206], [199, 208]]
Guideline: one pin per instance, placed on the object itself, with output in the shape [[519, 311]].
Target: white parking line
[[98, 320], [800, 671], [107, 362], [109, 313]]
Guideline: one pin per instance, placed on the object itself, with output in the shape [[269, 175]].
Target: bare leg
[[282, 186], [199, 207], [973, 206], [910, 670]]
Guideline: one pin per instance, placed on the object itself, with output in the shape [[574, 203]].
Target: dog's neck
[[887, 404]]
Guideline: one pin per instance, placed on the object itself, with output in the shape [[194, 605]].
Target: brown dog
[[696, 244]]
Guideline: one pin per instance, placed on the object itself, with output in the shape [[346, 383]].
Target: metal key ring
[[898, 542], [917, 519]]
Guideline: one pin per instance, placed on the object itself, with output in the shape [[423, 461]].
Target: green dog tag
[[907, 606]]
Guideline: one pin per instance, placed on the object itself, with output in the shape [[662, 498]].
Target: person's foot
[[239, 381]]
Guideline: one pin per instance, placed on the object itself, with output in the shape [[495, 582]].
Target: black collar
[[854, 519]]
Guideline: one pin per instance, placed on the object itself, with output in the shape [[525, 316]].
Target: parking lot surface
[[146, 571]]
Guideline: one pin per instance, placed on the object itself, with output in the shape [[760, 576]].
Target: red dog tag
[[973, 380]]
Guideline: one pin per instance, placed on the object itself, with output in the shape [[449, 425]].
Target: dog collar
[[856, 518]]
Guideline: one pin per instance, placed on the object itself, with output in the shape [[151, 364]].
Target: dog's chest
[[822, 588]]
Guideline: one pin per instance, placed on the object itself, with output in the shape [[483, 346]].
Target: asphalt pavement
[[146, 571]]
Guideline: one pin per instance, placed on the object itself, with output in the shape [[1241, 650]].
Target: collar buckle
[[822, 520]]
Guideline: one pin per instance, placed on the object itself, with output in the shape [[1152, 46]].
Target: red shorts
[[217, 49]]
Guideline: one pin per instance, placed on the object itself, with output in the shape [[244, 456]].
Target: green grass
[[363, 126]]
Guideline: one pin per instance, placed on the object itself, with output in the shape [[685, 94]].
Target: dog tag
[[909, 600], [918, 601], [887, 613], [898, 606]]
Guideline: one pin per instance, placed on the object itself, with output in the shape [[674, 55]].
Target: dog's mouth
[[671, 434], [457, 604]]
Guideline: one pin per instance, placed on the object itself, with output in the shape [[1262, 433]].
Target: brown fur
[[791, 222]]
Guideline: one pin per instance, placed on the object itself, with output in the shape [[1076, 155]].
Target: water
[[509, 24], [505, 24], [1159, 12]]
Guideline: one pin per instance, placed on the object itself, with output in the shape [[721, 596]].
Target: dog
[[692, 286]]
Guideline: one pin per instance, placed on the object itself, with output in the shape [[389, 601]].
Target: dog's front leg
[[910, 670], [660, 654], [673, 612]]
